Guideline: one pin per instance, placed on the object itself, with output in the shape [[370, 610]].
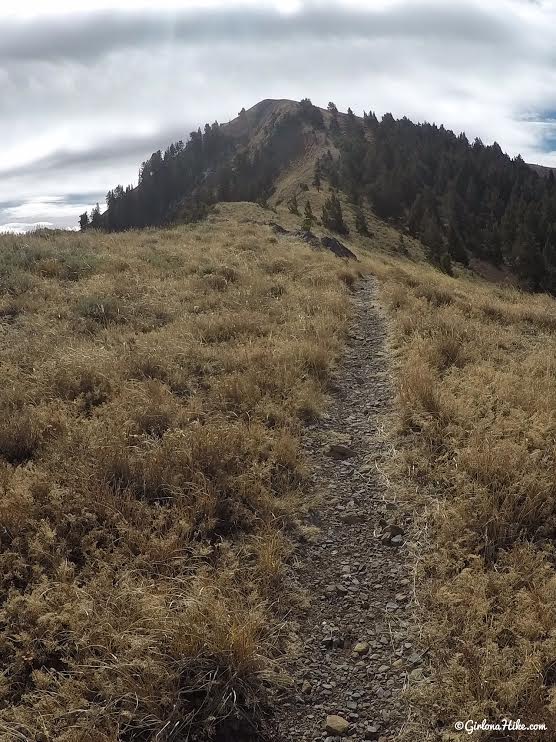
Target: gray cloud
[[109, 152], [86, 36]]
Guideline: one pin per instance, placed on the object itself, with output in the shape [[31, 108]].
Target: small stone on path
[[361, 648], [336, 725], [339, 451]]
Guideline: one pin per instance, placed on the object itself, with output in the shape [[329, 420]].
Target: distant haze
[[87, 94]]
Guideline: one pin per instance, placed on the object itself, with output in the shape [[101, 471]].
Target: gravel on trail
[[355, 657]]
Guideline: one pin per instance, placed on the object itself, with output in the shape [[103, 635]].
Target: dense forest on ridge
[[461, 199]]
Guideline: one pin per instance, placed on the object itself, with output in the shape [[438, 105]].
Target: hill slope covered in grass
[[474, 434], [155, 388]]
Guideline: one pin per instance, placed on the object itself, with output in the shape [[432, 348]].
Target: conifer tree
[[527, 258], [308, 217], [446, 264], [293, 207], [317, 177], [334, 125], [361, 223], [83, 221], [332, 216], [455, 246], [402, 247], [431, 236], [311, 113], [96, 218]]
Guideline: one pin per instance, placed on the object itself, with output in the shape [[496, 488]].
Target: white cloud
[[86, 95], [22, 227]]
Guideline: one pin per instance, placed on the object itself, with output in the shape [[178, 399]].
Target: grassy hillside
[[476, 457], [155, 385]]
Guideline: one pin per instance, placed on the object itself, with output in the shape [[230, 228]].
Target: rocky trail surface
[[355, 657]]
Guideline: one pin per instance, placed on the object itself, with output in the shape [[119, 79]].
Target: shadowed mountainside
[[464, 201]]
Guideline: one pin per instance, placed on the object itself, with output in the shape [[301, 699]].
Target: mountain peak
[[264, 112]]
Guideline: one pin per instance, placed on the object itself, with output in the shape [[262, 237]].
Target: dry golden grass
[[477, 455], [154, 390]]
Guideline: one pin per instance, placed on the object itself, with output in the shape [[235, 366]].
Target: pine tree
[[83, 221], [308, 217], [311, 113], [455, 246], [446, 264], [334, 128], [361, 223], [431, 235], [332, 216], [334, 125], [549, 259], [96, 218], [293, 208], [402, 248], [527, 258], [317, 177]]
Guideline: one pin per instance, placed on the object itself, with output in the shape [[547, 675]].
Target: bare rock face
[[278, 228], [335, 246], [308, 237], [330, 243]]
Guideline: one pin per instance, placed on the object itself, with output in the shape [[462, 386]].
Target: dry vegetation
[[477, 454], [155, 385]]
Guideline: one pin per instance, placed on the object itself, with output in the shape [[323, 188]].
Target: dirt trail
[[355, 655]]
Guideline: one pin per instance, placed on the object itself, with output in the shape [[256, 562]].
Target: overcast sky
[[87, 94]]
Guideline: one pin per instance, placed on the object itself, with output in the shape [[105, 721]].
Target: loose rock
[[371, 732], [361, 648], [339, 451], [337, 726]]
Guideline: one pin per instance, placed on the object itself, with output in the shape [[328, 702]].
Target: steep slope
[[253, 125], [543, 170], [237, 161], [462, 200], [155, 477]]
